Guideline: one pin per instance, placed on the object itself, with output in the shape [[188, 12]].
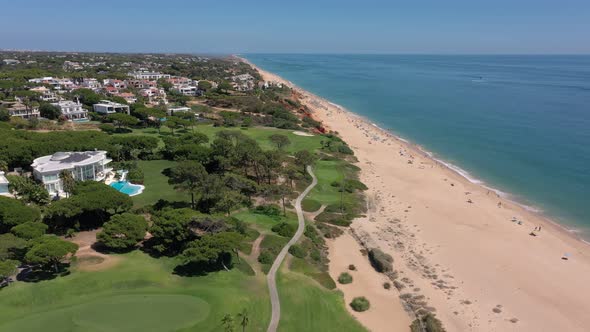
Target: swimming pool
[[128, 188]]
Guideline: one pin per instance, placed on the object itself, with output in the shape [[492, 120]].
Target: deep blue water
[[520, 124]]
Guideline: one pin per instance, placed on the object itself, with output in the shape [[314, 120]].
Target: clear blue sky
[[298, 26]]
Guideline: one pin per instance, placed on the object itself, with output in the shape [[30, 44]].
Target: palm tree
[[244, 319], [67, 181], [228, 323]]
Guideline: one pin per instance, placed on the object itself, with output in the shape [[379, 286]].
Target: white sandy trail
[[271, 277]]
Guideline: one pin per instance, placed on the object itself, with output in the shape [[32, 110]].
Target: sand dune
[[456, 243]]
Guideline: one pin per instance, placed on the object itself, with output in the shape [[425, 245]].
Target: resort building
[[146, 75], [142, 84], [187, 90], [84, 166], [3, 185], [72, 110], [11, 61], [90, 83], [56, 83], [23, 111], [46, 94], [155, 96], [70, 65], [178, 80], [173, 109], [128, 96], [110, 107], [114, 83]]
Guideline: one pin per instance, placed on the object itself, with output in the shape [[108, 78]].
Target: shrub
[[387, 285], [310, 205], [345, 278], [356, 184], [429, 322], [14, 212], [328, 231], [312, 235], [351, 267], [345, 149], [265, 257], [297, 251], [360, 304], [316, 255], [284, 229], [268, 210], [123, 231], [29, 230], [70, 233], [333, 218], [381, 261], [135, 175], [107, 128]]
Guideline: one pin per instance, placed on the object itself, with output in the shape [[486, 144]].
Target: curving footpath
[[271, 277]]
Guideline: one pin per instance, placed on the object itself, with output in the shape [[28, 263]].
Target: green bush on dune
[[360, 304], [297, 251], [345, 278]]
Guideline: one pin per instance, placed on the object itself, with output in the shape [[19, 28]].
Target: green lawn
[[156, 184], [263, 222], [305, 306], [139, 294], [260, 134], [142, 294], [328, 171]]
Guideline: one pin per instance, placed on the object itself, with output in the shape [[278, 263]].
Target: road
[[272, 274]]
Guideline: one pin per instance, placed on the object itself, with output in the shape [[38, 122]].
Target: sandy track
[[272, 274]]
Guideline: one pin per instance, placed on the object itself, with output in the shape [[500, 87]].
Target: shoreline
[[513, 199], [461, 250], [549, 220]]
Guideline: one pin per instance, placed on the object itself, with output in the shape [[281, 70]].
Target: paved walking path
[[271, 277]]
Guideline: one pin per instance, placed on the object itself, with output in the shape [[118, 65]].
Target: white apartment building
[[146, 75], [22, 111], [110, 107], [187, 90]]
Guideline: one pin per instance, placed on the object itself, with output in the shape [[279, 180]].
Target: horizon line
[[291, 53]]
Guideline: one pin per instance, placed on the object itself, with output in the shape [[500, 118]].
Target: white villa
[[22, 111], [46, 94], [110, 107], [172, 109], [72, 110], [187, 90], [84, 166], [3, 185]]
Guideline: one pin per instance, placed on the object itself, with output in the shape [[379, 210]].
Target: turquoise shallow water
[[520, 124], [127, 188]]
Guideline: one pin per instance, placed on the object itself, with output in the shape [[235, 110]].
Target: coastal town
[[115, 160], [131, 82]]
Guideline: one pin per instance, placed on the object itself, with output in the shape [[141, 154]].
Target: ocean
[[517, 123]]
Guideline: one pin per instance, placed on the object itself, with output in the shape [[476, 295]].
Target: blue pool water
[[520, 124], [127, 188]]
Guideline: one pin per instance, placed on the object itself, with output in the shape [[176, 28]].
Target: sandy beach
[[468, 251]]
